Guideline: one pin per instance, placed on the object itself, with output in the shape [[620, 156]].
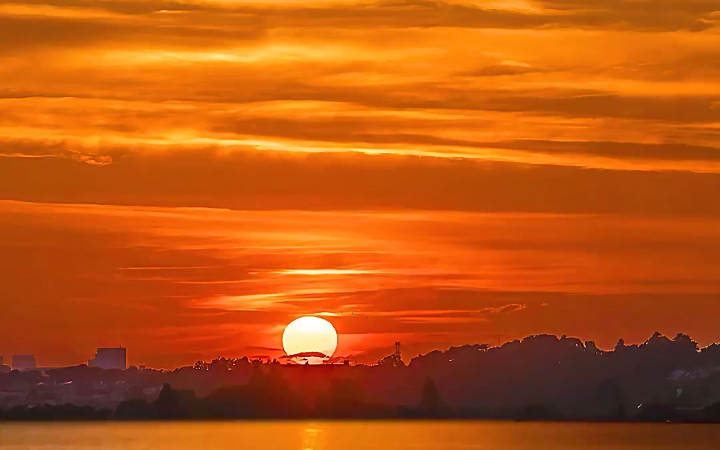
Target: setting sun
[[310, 335]]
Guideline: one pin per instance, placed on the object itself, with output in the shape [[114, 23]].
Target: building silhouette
[[110, 358], [23, 362]]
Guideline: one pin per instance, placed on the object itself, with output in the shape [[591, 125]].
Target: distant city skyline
[[120, 357], [105, 358]]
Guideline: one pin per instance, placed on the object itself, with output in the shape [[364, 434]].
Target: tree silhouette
[[538, 377], [613, 399], [175, 403], [431, 402]]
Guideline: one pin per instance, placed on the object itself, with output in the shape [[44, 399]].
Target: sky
[[185, 178]]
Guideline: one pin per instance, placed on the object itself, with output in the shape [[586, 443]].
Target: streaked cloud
[[462, 276], [196, 174], [211, 177]]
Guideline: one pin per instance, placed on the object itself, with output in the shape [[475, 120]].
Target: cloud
[[204, 171], [206, 280], [21, 33], [265, 180], [629, 150], [501, 70], [226, 17]]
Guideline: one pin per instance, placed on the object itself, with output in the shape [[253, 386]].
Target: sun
[[310, 335]]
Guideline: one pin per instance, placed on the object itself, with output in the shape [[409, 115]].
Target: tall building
[[110, 358], [23, 362]]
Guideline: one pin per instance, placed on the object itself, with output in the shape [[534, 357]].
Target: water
[[357, 436]]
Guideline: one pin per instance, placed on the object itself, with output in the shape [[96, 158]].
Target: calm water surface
[[358, 435]]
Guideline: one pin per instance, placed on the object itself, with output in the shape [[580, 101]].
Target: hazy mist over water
[[309, 435]]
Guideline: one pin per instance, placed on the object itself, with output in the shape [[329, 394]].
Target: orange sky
[[185, 178]]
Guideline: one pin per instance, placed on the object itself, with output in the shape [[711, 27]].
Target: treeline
[[540, 377], [269, 397], [45, 412]]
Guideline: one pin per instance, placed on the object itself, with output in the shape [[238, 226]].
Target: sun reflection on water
[[311, 439]]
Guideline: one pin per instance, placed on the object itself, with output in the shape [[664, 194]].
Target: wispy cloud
[[431, 171], [442, 274]]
